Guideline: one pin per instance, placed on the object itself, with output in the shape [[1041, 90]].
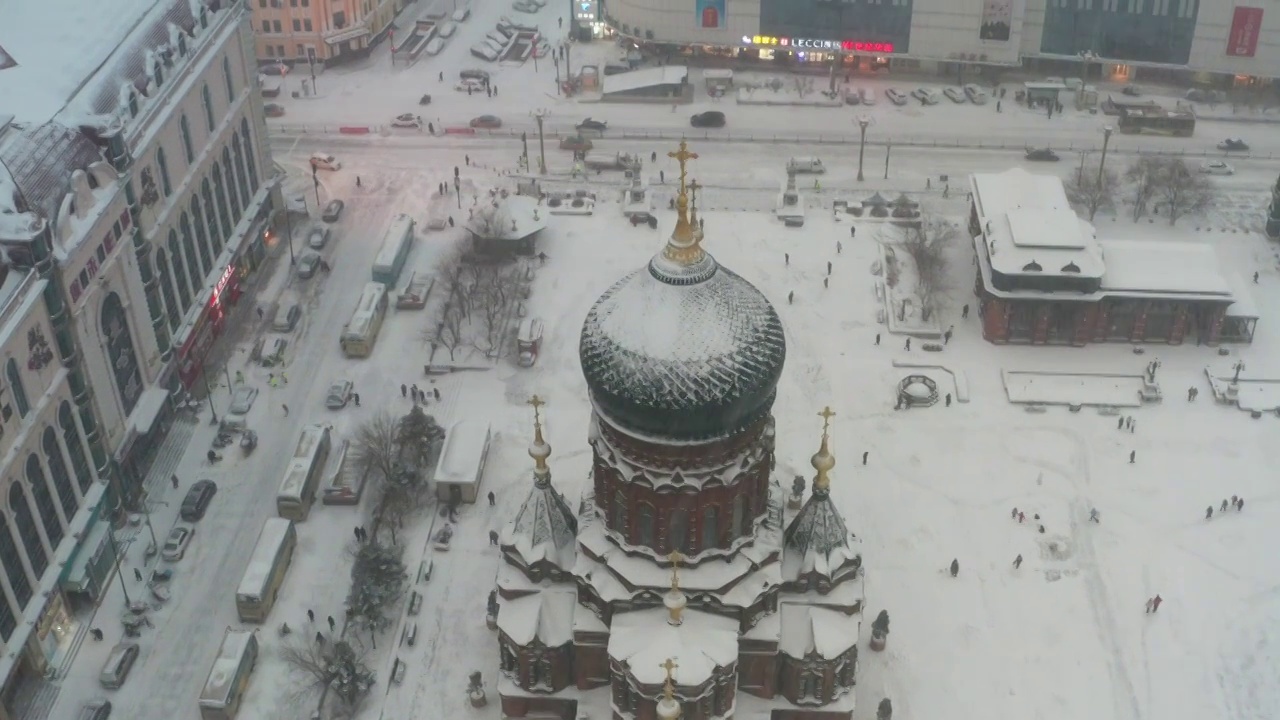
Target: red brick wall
[[542, 707], [591, 663], [995, 320]]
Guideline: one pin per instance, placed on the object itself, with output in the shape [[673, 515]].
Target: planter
[[477, 698], [877, 642]]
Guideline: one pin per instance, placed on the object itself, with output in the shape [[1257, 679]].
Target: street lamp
[[863, 122], [539, 115], [1106, 138], [115, 550], [887, 150], [209, 396], [1238, 367]]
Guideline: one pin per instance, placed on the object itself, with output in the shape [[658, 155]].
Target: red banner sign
[[1246, 24]]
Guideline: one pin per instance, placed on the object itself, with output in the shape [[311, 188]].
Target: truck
[[415, 293], [529, 341], [596, 160]]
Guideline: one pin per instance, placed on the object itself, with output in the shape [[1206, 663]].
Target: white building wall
[[676, 21], [949, 30], [1213, 26]]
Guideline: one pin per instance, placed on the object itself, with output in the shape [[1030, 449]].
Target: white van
[[434, 47], [868, 96], [116, 670], [805, 165], [461, 14], [325, 161]]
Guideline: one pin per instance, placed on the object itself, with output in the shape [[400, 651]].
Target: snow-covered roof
[[1030, 228], [274, 532], [507, 217], [36, 165], [543, 529], [809, 628], [235, 645], [648, 77], [465, 447], [818, 538], [701, 643], [1244, 305], [546, 615], [1163, 267], [57, 46]]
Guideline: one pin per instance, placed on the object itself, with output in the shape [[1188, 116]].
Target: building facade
[[320, 31], [1210, 43]]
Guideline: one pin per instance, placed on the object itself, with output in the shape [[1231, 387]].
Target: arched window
[[230, 179], [741, 516], [211, 217], [27, 529], [58, 468], [241, 176], [71, 438], [206, 98], [678, 530], [188, 148], [226, 78], [248, 154], [710, 527], [645, 513], [8, 623], [13, 568], [219, 192], [122, 356], [166, 186], [179, 270], [165, 278], [14, 375], [620, 513], [202, 234], [192, 260], [46, 506], [202, 252]]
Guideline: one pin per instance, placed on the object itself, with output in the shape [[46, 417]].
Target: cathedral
[[685, 584]]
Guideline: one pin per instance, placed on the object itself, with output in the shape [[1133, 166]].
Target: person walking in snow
[[946, 336], [332, 625], [907, 346], [174, 479], [839, 247], [964, 312], [1208, 512], [791, 297], [286, 409], [1093, 516], [1017, 562], [1240, 505], [955, 568], [1120, 423], [1155, 603], [493, 537], [1224, 505], [492, 499], [1013, 514], [436, 393], [865, 453], [948, 399], [877, 339], [1150, 602], [786, 259], [1133, 454]]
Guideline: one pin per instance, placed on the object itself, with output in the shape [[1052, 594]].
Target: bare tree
[[926, 244], [378, 579], [333, 666], [374, 451], [495, 290], [1183, 191], [1092, 193], [1144, 173]]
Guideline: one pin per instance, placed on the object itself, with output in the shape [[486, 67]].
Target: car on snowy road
[[197, 500], [339, 395], [99, 709], [287, 317], [333, 211], [446, 29], [592, 125], [1233, 144], [241, 403], [487, 122], [407, 120], [1216, 167], [325, 161], [525, 7], [710, 119], [318, 237], [175, 546], [469, 84], [956, 95], [307, 265], [1042, 155], [273, 110], [896, 96]]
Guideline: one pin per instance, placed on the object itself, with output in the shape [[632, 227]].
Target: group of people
[[419, 396], [1236, 502]]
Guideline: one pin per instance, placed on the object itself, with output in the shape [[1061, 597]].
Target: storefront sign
[[815, 44], [710, 13], [227, 274], [1245, 26]]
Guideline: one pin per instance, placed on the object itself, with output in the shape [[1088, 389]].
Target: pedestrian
[[436, 393], [786, 259], [964, 312], [1191, 394], [955, 568], [260, 313], [97, 634], [1017, 562], [492, 499], [948, 399], [356, 530], [946, 337], [137, 574], [404, 391], [319, 638], [1021, 517], [1129, 421], [907, 345], [450, 221], [662, 177], [489, 90], [356, 397], [495, 91], [1132, 454], [1093, 516], [1233, 500], [1120, 423], [826, 282], [853, 230], [311, 615], [493, 537], [928, 183], [467, 158], [441, 76], [284, 377], [431, 128], [877, 339], [239, 377], [1240, 505], [1150, 602], [174, 479], [1208, 512], [828, 267], [1255, 278], [357, 181], [468, 91], [1131, 425], [332, 625], [839, 247], [559, 22], [1155, 603], [286, 409], [1013, 514], [1224, 505], [791, 297], [865, 453]]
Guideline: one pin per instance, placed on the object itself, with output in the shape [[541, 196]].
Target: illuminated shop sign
[[814, 44]]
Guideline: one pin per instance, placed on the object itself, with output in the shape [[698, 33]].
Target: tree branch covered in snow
[[926, 244], [333, 666], [378, 580], [1183, 191], [1144, 173], [1091, 193], [492, 295]]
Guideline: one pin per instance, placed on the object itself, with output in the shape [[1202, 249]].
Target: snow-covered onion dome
[[684, 348]]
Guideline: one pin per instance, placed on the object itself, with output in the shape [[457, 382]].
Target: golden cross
[[675, 557], [537, 402], [683, 156], [667, 690], [826, 415]]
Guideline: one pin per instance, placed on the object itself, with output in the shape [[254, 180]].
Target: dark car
[[307, 265], [333, 211], [710, 119], [1042, 155], [1233, 144], [197, 500], [486, 122], [643, 218], [589, 124]]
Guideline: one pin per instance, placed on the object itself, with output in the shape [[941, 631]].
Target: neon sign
[[222, 283], [815, 44]]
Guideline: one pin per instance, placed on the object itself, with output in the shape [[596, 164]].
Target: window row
[[274, 26], [40, 507], [190, 253], [689, 530], [280, 3]]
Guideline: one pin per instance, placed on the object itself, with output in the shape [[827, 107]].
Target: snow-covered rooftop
[[544, 527], [701, 643], [1030, 228], [56, 46], [1164, 267], [465, 447], [546, 615], [810, 628], [648, 77]]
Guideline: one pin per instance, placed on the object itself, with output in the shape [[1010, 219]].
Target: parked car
[[1132, 90], [318, 237], [487, 122], [484, 52], [273, 110], [271, 67], [474, 74], [407, 120], [616, 68], [896, 96], [927, 96], [325, 161], [852, 97], [461, 14], [498, 37], [806, 165], [197, 500], [307, 265], [867, 95], [976, 94], [446, 29], [469, 85], [241, 403], [710, 119], [287, 317], [332, 211], [956, 95], [1216, 167], [589, 124], [99, 709], [175, 546], [1042, 155], [116, 669], [576, 143], [1235, 144], [339, 395], [525, 6], [434, 46]]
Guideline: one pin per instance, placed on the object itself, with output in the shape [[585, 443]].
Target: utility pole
[[863, 122], [288, 229], [1106, 139], [887, 150], [542, 144], [209, 396], [115, 550]]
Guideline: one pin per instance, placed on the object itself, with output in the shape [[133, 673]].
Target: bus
[[395, 250], [220, 699], [360, 334], [302, 477], [1157, 121], [267, 566]]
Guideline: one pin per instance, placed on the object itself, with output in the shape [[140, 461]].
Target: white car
[[868, 96], [470, 85], [241, 402], [484, 52], [325, 161], [896, 96], [175, 546], [446, 29], [1216, 167], [339, 394], [956, 95], [407, 120], [434, 46], [976, 94]]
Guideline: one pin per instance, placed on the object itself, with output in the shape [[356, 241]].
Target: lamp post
[[1106, 138], [539, 115], [1238, 367], [288, 229], [863, 122], [887, 150], [209, 396], [115, 550]]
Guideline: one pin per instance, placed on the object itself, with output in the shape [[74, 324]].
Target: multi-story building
[[136, 191], [1209, 43], [320, 31]]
